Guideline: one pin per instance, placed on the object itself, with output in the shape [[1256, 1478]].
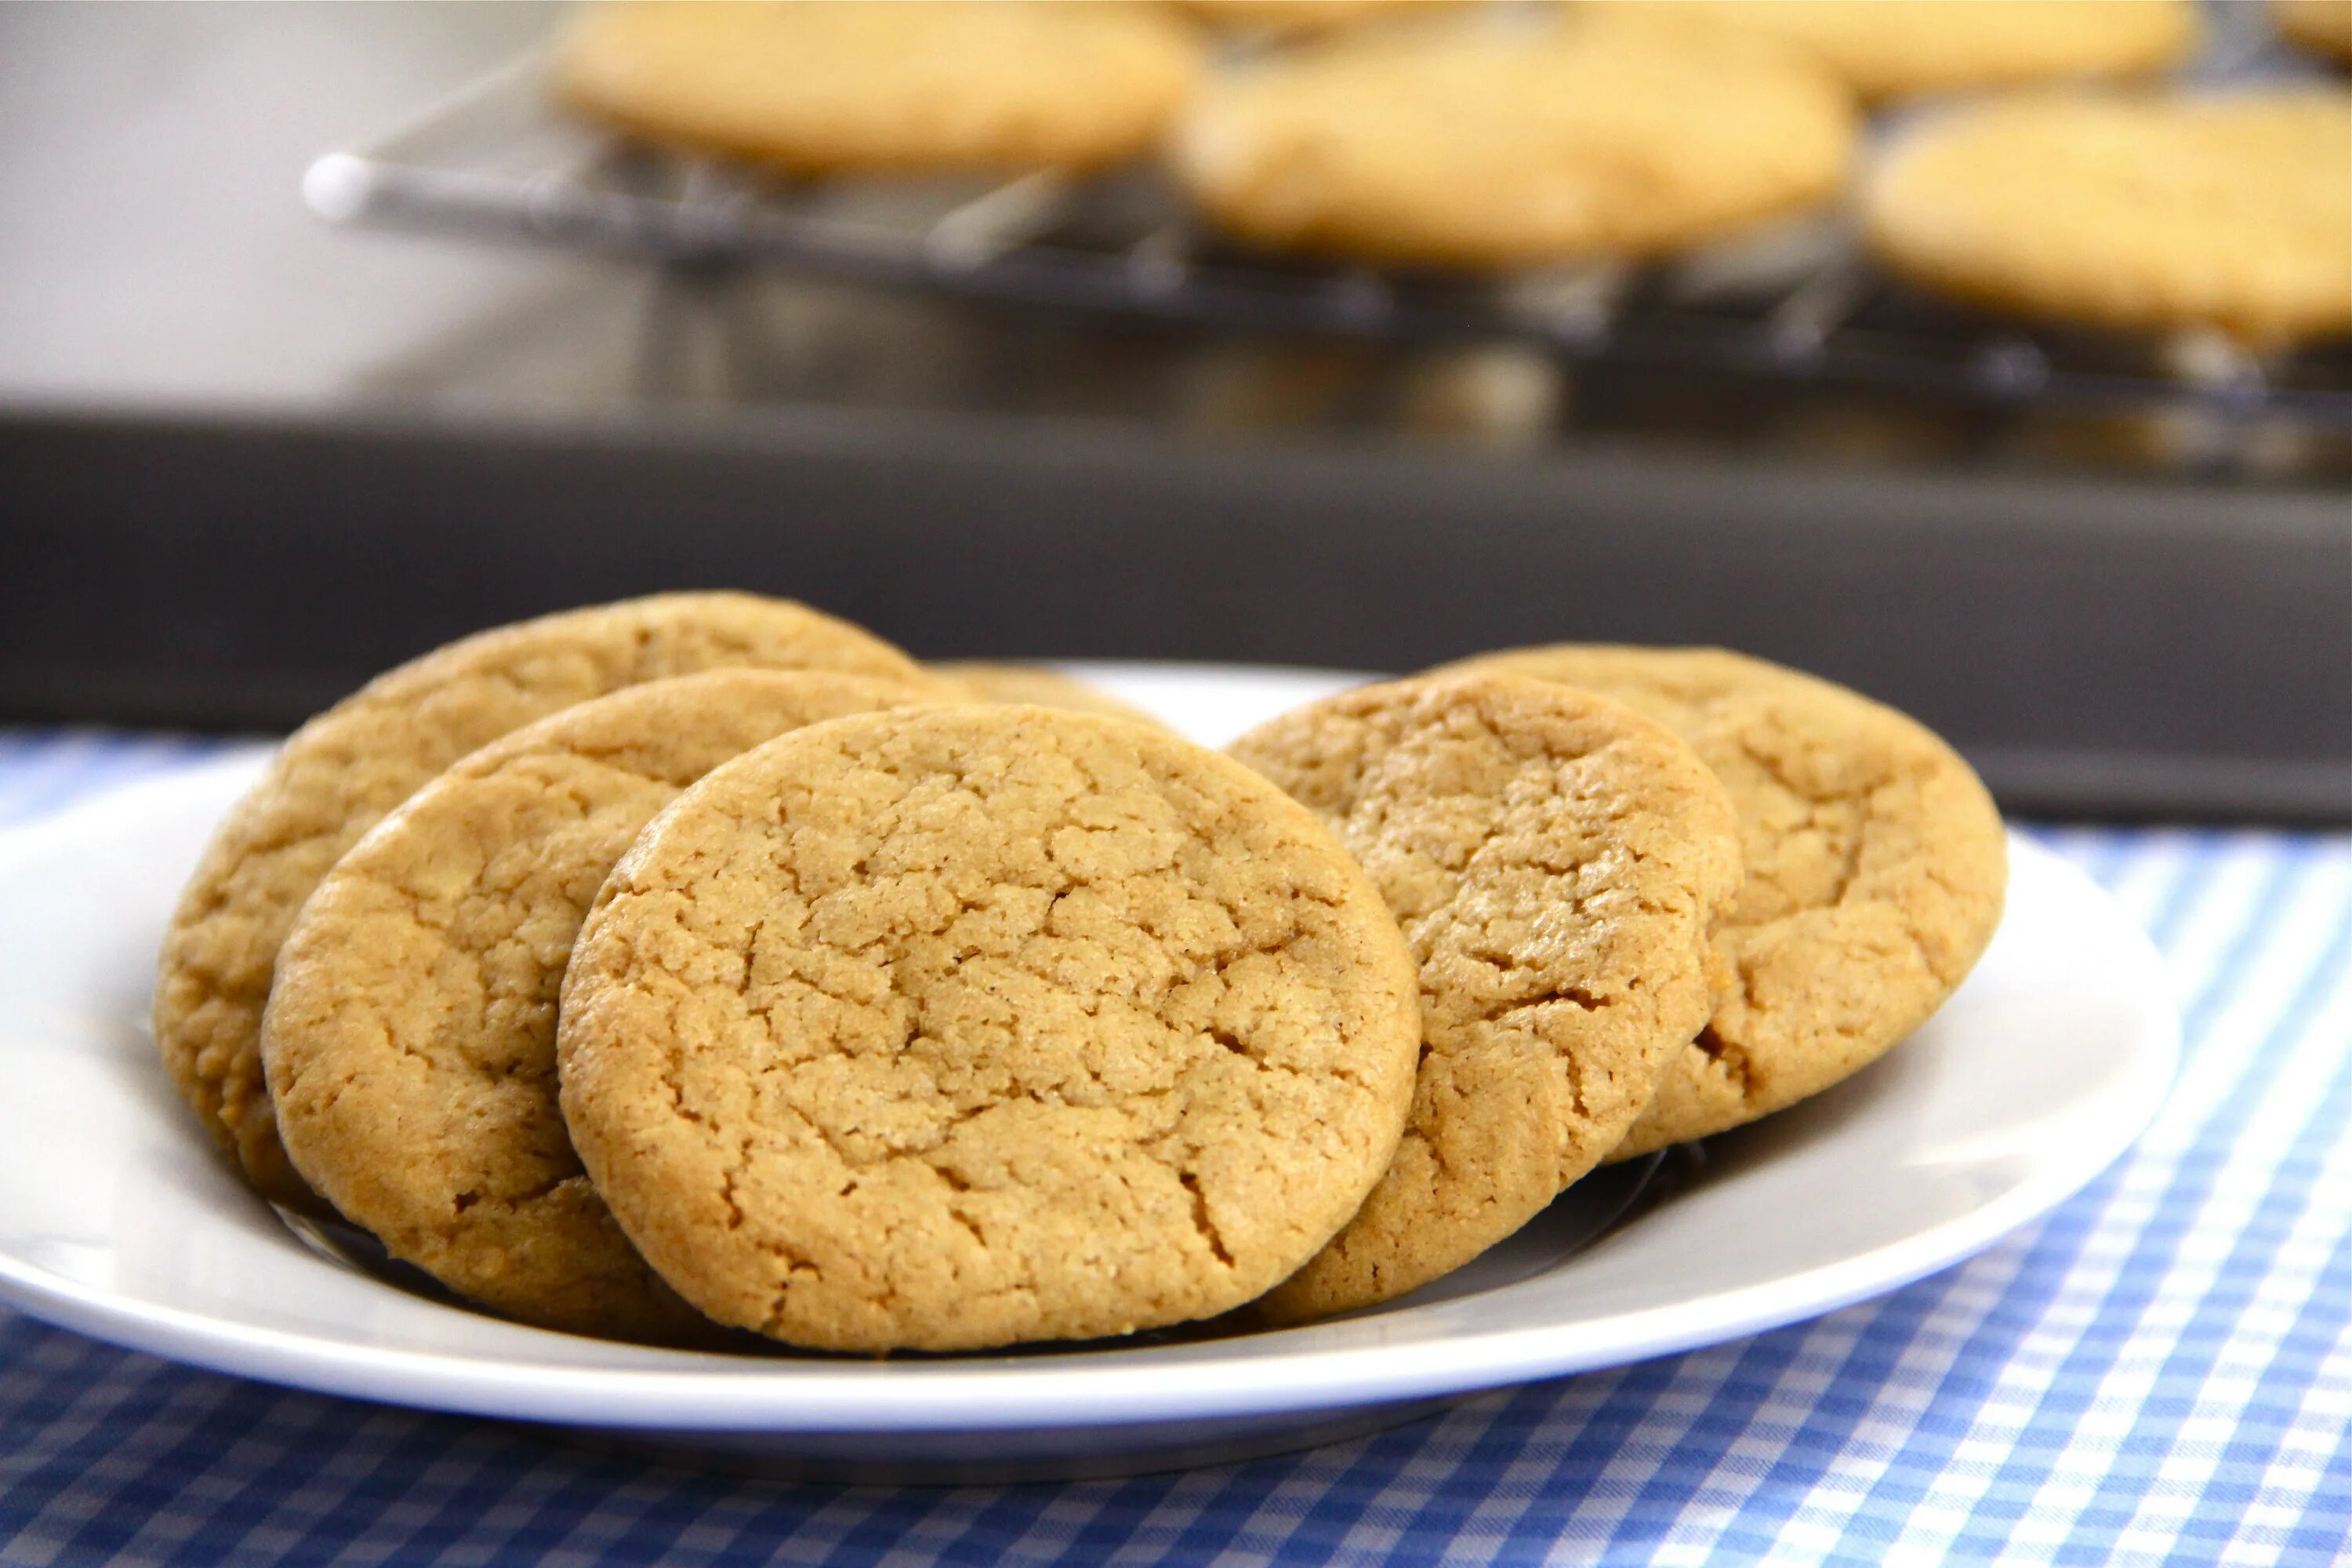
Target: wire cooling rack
[[1799, 303]]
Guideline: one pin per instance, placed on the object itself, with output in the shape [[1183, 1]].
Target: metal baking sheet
[[2098, 650]]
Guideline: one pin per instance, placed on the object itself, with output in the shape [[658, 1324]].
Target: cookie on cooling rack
[[410, 1036], [826, 86], [964, 1025], [1295, 18], [1897, 49], [341, 772], [1556, 861], [1875, 867], [1466, 148], [2139, 212]]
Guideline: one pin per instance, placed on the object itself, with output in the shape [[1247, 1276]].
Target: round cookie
[[2143, 213], [2322, 27], [1300, 18], [1875, 869], [1556, 860], [410, 1036], [1034, 683], [339, 772], [1897, 49], [974, 1025], [820, 87], [1601, 138]]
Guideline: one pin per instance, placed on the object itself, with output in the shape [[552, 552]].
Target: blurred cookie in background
[[1898, 49], [820, 87], [1298, 17], [2322, 27], [1609, 136], [2147, 212]]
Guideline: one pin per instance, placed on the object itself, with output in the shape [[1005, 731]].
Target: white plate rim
[[1284, 1372]]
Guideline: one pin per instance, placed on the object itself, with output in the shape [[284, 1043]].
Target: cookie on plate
[[1467, 149], [1875, 869], [1556, 860], [966, 1026], [824, 87], [410, 1036], [339, 774], [1034, 683], [1897, 49], [2151, 213]]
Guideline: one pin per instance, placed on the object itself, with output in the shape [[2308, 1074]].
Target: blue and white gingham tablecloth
[[2159, 1371]]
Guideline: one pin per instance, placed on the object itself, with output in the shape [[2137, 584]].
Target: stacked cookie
[[1447, 135], [701, 963]]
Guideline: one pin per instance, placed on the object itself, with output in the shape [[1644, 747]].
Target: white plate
[[116, 1217]]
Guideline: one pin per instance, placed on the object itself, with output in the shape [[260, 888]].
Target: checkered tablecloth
[[2159, 1371]]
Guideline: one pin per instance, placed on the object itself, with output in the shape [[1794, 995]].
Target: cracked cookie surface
[[1875, 870], [410, 1036], [967, 1026], [1555, 860], [339, 773]]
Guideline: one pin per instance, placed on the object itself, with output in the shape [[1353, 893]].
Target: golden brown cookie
[[1602, 138], [1556, 860], [820, 86], [972, 1024], [1034, 683], [344, 769], [1299, 18], [2323, 26], [410, 1036], [2153, 212], [1896, 49], [1875, 867]]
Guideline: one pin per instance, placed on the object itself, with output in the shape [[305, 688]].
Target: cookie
[[1556, 860], [1299, 18], [410, 1036], [820, 86], [1875, 869], [2322, 27], [1897, 49], [1034, 683], [974, 1025], [344, 769], [1469, 149], [2143, 213]]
